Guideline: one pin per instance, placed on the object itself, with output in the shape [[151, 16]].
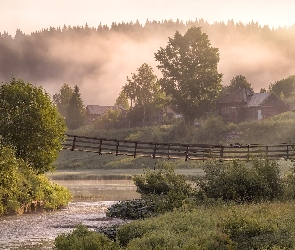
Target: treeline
[[33, 56]]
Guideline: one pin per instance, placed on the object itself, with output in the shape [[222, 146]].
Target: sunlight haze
[[35, 15], [99, 65]]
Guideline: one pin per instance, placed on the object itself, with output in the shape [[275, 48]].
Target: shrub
[[83, 239], [259, 227], [163, 187], [131, 209], [242, 182], [175, 230], [20, 185]]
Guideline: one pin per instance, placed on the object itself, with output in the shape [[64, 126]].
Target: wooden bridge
[[187, 152]]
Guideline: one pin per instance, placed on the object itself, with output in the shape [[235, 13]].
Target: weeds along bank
[[24, 191], [233, 206]]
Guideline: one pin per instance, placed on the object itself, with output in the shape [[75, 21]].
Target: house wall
[[231, 112], [250, 114]]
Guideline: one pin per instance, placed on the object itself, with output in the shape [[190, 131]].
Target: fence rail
[[177, 150]]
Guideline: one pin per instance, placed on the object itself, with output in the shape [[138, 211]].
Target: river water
[[90, 202]]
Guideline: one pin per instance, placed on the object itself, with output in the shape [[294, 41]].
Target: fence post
[[287, 151], [168, 151], [117, 147], [154, 153], [221, 151], [100, 146], [74, 143], [186, 153], [135, 148]]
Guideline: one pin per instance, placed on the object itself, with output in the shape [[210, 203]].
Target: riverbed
[[90, 202]]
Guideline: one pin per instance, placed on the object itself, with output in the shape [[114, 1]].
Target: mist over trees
[[97, 59], [189, 67]]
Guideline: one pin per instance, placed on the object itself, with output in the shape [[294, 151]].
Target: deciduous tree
[[62, 99], [190, 76], [239, 81], [31, 123], [144, 91], [284, 86]]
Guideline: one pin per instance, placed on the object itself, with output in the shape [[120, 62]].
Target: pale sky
[[34, 15]]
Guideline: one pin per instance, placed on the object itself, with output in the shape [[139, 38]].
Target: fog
[[100, 64]]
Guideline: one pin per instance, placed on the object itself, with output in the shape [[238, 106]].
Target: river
[[90, 202]]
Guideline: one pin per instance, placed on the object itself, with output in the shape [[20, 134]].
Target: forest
[[89, 56]]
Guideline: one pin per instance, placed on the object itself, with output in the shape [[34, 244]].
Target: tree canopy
[[239, 81], [144, 91], [285, 87], [190, 76], [31, 123], [62, 100], [76, 110]]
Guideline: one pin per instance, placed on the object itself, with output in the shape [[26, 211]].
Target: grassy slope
[[271, 131]]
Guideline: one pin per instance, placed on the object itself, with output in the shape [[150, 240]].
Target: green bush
[[83, 239], [132, 209], [20, 186], [242, 182], [175, 230], [163, 187], [260, 226]]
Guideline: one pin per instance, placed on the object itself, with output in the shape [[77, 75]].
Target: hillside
[[277, 129]]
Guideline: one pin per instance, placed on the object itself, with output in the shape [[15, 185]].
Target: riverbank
[[38, 231], [110, 174]]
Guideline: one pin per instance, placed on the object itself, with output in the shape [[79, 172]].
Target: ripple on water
[[28, 230]]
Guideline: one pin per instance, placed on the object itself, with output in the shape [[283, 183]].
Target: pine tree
[[76, 111]]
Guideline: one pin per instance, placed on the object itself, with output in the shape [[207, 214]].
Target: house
[[245, 105], [94, 112]]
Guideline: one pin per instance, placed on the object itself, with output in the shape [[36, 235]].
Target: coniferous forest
[[98, 59]]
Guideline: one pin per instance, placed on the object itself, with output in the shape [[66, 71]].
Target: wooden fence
[[178, 150]]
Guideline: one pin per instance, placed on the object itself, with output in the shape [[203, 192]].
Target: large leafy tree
[[31, 123], [62, 99], [144, 91], [190, 76], [76, 110], [285, 87], [239, 81]]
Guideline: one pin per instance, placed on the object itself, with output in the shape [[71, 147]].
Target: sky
[[35, 15]]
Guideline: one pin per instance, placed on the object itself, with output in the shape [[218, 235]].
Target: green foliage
[[62, 100], [113, 118], [31, 123], [83, 239], [239, 81], [190, 76], [284, 86], [76, 111], [176, 230], [260, 226], [19, 186], [213, 130], [242, 182], [145, 94], [163, 187], [132, 209]]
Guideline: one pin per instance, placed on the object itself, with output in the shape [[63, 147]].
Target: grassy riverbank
[[109, 174]]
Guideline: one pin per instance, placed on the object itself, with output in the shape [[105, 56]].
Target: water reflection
[[38, 231], [100, 190]]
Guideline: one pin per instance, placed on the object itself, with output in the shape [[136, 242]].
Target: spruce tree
[[76, 111]]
